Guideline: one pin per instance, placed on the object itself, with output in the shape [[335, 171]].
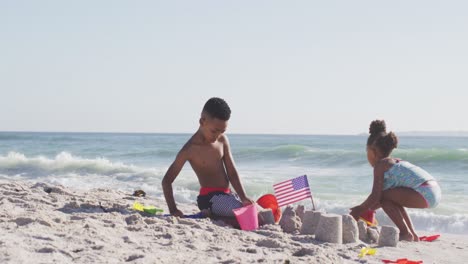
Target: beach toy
[[268, 201], [367, 251], [369, 218], [247, 217], [138, 206], [147, 209], [429, 238], [198, 215], [402, 261]]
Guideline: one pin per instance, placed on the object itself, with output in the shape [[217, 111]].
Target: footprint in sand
[[97, 247], [77, 218], [43, 238], [127, 239], [134, 228], [51, 189], [46, 250], [133, 257], [249, 250], [154, 221], [15, 193], [269, 243], [43, 222], [16, 200], [22, 221], [306, 252], [134, 219]]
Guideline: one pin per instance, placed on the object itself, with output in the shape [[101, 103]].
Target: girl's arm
[[376, 195], [373, 200]]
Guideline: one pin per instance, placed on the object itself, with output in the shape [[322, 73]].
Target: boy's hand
[[177, 213], [246, 201]]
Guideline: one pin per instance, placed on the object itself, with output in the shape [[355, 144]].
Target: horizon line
[[403, 133]]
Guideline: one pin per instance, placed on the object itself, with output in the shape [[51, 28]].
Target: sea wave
[[433, 155], [64, 163], [299, 154], [347, 157]]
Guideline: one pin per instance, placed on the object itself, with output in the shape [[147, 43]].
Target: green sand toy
[[149, 209]]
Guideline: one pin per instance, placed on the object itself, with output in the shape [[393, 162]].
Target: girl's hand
[[356, 212]]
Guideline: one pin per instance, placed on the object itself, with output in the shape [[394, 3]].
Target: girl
[[397, 184]]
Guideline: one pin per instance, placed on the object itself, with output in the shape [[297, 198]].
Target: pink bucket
[[247, 217]]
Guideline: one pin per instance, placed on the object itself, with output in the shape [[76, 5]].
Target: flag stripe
[[305, 191], [279, 192], [283, 197], [280, 196], [291, 191], [285, 191], [282, 182]]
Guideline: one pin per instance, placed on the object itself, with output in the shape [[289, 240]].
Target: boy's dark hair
[[379, 137], [217, 108]]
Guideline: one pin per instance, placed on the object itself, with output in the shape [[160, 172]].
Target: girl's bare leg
[[398, 198], [393, 211], [409, 223]]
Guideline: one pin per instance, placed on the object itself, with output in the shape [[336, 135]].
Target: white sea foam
[[75, 171], [78, 172], [66, 163], [423, 219]]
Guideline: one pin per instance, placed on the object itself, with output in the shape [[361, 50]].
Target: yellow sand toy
[[367, 251], [149, 209]]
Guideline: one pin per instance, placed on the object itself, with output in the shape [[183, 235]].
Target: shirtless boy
[[209, 153]]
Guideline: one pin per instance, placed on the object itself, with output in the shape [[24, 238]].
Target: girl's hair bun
[[389, 141], [377, 127]]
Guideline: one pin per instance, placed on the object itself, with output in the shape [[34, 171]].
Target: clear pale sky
[[308, 67]]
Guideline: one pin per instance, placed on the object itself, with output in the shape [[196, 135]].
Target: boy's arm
[[169, 177], [232, 173]]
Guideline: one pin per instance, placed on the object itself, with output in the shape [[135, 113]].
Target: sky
[[284, 67]]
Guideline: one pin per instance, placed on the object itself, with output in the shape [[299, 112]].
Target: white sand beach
[[42, 223]]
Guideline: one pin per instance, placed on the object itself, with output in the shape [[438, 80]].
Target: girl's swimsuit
[[405, 174]]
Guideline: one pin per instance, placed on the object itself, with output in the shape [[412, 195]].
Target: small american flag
[[292, 191]]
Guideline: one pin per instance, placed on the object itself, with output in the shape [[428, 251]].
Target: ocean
[[337, 168]]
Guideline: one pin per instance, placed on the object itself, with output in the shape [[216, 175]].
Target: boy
[[209, 154]]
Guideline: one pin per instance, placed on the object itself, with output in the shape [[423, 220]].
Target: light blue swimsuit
[[405, 174]]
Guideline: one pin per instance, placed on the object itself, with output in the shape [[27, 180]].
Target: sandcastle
[[350, 229], [290, 222], [332, 228], [362, 226], [347, 228], [389, 236], [310, 222], [265, 217], [372, 234]]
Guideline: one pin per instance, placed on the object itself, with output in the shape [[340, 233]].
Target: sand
[[42, 223]]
